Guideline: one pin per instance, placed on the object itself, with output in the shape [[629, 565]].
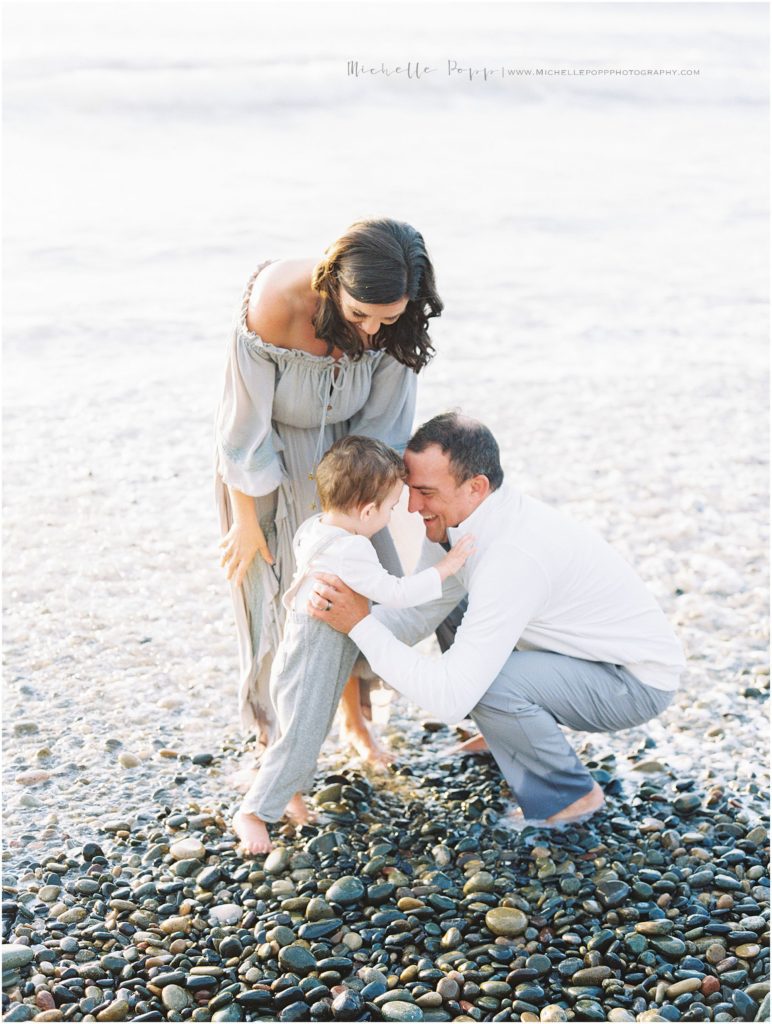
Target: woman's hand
[[336, 604], [241, 543]]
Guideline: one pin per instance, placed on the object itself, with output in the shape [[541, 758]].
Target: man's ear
[[480, 486]]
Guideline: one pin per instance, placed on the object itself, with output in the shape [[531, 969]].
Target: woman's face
[[367, 317]]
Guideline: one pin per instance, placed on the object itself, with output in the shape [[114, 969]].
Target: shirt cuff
[[367, 629]]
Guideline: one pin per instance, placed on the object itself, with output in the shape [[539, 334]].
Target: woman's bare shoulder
[[279, 297]]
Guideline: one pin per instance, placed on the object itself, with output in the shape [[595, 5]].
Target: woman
[[321, 349]]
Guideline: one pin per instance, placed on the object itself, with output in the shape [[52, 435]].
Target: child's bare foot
[[252, 832], [299, 811], [580, 809], [366, 745]]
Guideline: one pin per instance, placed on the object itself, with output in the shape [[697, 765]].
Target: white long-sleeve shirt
[[538, 580], [319, 547]]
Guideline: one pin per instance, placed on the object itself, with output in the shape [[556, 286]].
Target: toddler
[[360, 481]]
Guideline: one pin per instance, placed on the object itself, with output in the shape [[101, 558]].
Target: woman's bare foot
[[298, 811], [580, 809], [252, 832], [354, 730], [362, 741]]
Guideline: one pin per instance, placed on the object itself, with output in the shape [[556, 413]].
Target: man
[[557, 629]]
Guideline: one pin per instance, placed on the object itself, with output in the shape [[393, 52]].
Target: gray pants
[[534, 694], [309, 674]]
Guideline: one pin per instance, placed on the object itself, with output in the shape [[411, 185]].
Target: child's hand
[[456, 557]]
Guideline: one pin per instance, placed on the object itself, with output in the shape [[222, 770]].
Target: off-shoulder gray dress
[[280, 411]]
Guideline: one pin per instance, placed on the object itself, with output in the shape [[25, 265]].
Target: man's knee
[[501, 701]]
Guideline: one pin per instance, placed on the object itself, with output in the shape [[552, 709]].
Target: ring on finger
[[329, 605]]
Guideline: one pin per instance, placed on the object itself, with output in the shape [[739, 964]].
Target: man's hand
[[336, 604]]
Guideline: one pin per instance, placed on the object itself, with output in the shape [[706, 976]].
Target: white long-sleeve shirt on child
[[319, 547]]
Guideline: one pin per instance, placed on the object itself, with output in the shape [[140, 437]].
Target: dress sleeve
[[246, 459], [390, 407]]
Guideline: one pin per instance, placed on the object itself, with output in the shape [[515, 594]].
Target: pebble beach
[[601, 248]]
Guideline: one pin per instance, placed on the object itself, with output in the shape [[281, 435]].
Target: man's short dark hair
[[470, 446]]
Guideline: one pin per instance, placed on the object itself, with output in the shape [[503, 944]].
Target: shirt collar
[[477, 521]]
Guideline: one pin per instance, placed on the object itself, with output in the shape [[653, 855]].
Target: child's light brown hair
[[356, 471]]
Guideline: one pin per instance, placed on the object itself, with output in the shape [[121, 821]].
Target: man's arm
[[507, 591]]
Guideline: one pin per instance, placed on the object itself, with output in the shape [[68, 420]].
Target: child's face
[[381, 514]]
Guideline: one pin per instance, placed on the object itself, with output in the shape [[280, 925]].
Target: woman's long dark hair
[[379, 262]]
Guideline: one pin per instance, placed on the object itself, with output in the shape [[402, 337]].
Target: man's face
[[435, 494]]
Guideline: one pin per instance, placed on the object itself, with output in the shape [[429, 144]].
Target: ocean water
[[155, 151]]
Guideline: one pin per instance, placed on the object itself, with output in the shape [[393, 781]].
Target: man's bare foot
[[474, 745], [252, 832], [298, 811], [580, 809], [366, 745]]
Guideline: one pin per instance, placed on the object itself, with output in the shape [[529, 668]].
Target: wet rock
[[678, 988], [226, 913], [15, 956], [554, 1012], [345, 890], [764, 1009], [297, 960], [506, 921], [397, 1010], [174, 997], [671, 948], [19, 1011], [448, 989], [188, 849], [118, 1009], [592, 976], [480, 881], [745, 1006], [277, 861], [231, 1012], [209, 877], [663, 926], [347, 1006], [687, 804], [613, 893], [319, 910], [539, 963]]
